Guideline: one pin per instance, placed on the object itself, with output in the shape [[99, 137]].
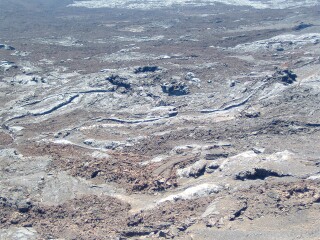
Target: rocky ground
[[169, 120]]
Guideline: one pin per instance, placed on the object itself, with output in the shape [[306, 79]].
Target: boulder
[[6, 47], [146, 69], [175, 88], [301, 26], [285, 76], [24, 205], [195, 170], [189, 76], [201, 190], [213, 166], [216, 155]]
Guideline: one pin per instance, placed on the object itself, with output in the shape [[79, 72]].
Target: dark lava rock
[[27, 225], [6, 47], [4, 202], [232, 84], [302, 26], [212, 167], [285, 76], [146, 69], [252, 114], [23, 205], [258, 173], [95, 173], [136, 232], [119, 81], [175, 88], [134, 220], [214, 156]]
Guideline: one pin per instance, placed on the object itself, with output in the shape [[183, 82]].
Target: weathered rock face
[[19, 233], [129, 124]]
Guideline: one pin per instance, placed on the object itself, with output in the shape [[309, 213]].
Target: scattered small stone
[[258, 150], [62, 134], [252, 114], [189, 76]]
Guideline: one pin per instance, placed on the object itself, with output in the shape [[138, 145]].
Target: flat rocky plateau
[[160, 119]]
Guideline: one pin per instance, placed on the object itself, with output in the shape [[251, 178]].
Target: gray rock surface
[[18, 233]]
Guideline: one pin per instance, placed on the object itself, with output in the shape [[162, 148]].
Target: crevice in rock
[[239, 212], [133, 121], [95, 91], [57, 107], [137, 233], [95, 174], [119, 81]]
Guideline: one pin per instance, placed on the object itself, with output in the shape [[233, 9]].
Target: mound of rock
[[302, 26], [146, 69], [7, 65], [285, 76], [175, 88], [119, 81], [6, 47]]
